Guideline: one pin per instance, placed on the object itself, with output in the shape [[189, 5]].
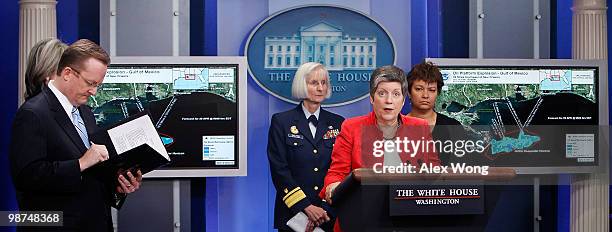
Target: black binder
[[143, 157]]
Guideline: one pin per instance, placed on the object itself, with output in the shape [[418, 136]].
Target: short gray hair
[[299, 87], [42, 62], [388, 73]]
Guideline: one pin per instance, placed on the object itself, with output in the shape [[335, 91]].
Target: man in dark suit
[[50, 149]]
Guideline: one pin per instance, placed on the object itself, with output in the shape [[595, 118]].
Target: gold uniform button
[[316, 169], [316, 188], [294, 144], [315, 151]]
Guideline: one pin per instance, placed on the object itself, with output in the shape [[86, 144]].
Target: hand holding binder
[[133, 144], [129, 185]]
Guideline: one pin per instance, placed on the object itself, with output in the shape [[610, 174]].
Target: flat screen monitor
[[197, 104], [538, 116]]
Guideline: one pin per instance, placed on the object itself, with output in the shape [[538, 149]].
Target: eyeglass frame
[[89, 83]]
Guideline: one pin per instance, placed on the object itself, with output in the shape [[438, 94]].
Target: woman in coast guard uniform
[[300, 143]]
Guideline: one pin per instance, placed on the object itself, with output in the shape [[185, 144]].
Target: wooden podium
[[362, 202]]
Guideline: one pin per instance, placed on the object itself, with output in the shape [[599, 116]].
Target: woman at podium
[[425, 82], [388, 91], [300, 143]]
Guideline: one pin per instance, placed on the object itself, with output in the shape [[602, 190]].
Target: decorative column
[[590, 192], [37, 21]]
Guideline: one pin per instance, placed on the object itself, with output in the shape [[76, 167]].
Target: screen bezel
[[602, 85], [241, 63]]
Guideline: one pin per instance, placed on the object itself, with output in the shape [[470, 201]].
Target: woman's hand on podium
[[329, 191], [316, 214]]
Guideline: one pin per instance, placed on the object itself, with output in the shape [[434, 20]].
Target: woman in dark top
[[424, 83]]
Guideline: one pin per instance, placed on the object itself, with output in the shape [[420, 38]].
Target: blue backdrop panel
[[242, 201], [9, 10], [68, 20], [246, 203]]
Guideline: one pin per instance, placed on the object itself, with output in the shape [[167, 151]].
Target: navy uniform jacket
[[298, 163]]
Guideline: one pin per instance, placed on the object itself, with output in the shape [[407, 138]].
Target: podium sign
[[435, 199]]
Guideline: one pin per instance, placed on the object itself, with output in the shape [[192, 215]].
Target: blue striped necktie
[[78, 123]]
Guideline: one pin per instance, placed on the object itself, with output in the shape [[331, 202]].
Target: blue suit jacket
[[299, 162]]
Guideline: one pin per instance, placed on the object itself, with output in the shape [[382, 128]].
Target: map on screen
[[527, 115], [193, 108]]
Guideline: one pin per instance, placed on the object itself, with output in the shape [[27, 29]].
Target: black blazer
[[44, 153], [299, 162], [447, 128]]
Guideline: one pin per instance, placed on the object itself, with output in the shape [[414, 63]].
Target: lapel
[[89, 124], [62, 119], [302, 123]]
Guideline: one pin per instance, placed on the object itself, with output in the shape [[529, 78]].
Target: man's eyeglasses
[[89, 83]]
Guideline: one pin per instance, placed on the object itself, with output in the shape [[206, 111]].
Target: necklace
[[389, 132]]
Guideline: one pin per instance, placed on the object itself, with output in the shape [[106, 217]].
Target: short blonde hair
[[299, 87], [42, 63]]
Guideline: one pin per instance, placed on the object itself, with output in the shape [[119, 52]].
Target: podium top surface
[[494, 174]]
